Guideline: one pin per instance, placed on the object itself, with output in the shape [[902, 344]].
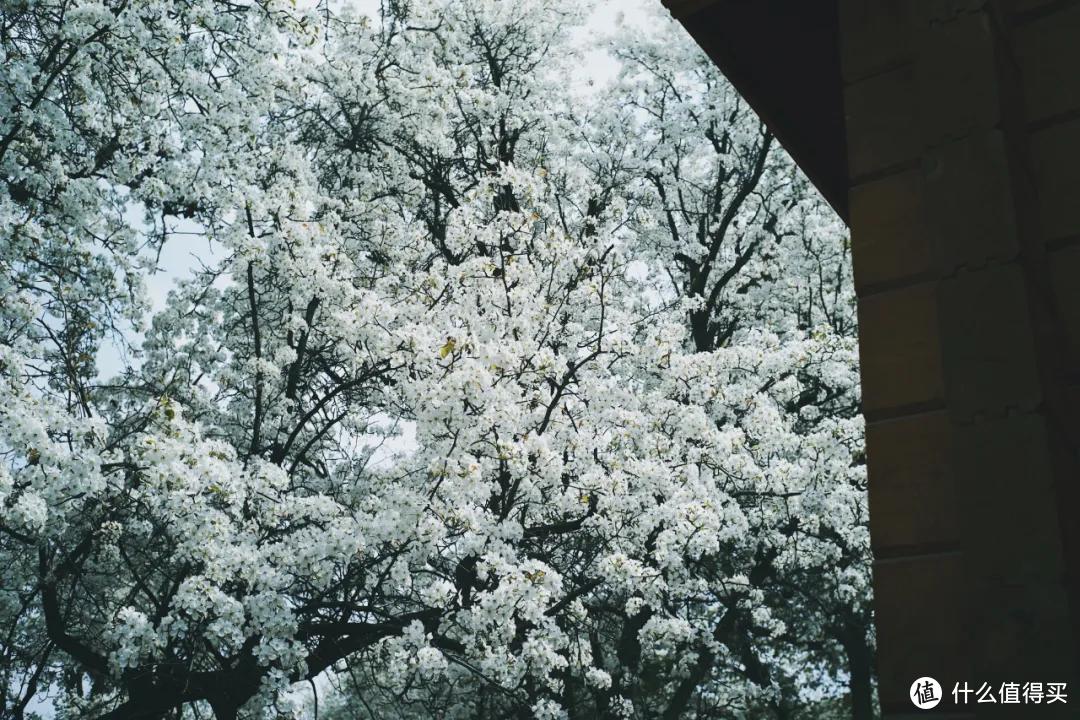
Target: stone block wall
[[963, 125]]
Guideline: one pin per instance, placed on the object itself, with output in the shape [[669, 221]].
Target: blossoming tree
[[618, 331]]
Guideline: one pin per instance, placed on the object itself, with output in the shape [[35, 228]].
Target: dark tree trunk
[[860, 667], [225, 709]]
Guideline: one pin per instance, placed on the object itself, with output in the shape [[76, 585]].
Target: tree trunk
[[224, 710], [860, 668]]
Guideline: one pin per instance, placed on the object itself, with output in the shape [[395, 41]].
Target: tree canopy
[[617, 330]]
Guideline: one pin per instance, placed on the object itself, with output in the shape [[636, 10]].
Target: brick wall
[[963, 122]]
